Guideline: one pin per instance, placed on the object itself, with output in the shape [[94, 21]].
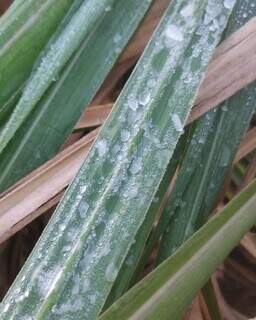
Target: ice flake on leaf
[[173, 32], [125, 135], [228, 4], [111, 272], [144, 98], [108, 8], [133, 103], [117, 38], [177, 123], [136, 166], [151, 83], [101, 147], [133, 191], [83, 208], [83, 189], [187, 11], [212, 11], [225, 157]]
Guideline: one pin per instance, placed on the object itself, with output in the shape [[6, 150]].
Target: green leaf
[[209, 156], [60, 51], [97, 220], [130, 263], [202, 171], [210, 298], [25, 29], [168, 290], [53, 118]]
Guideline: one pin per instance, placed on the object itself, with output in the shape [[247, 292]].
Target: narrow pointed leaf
[[168, 290], [216, 139], [130, 263], [25, 29]]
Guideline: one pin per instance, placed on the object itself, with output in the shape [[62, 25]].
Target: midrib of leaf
[[119, 229]]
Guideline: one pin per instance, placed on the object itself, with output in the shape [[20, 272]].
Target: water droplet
[[174, 33], [117, 38], [101, 147], [151, 83], [201, 140], [136, 166], [92, 298], [125, 135], [108, 8], [129, 261], [177, 123], [111, 272], [83, 208], [83, 189], [187, 11], [133, 191], [228, 4], [225, 157], [224, 108], [144, 98], [62, 227], [133, 103]]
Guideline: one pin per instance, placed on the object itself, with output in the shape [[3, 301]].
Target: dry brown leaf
[[247, 146], [194, 311], [248, 245], [4, 5], [94, 116]]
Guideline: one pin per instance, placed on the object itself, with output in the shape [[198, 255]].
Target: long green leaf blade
[[82, 22], [217, 136], [130, 263], [25, 29], [168, 290], [100, 214]]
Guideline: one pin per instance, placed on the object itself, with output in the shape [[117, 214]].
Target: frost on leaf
[[177, 123], [173, 32]]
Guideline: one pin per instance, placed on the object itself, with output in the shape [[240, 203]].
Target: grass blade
[[169, 289], [215, 141], [130, 263], [25, 24]]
